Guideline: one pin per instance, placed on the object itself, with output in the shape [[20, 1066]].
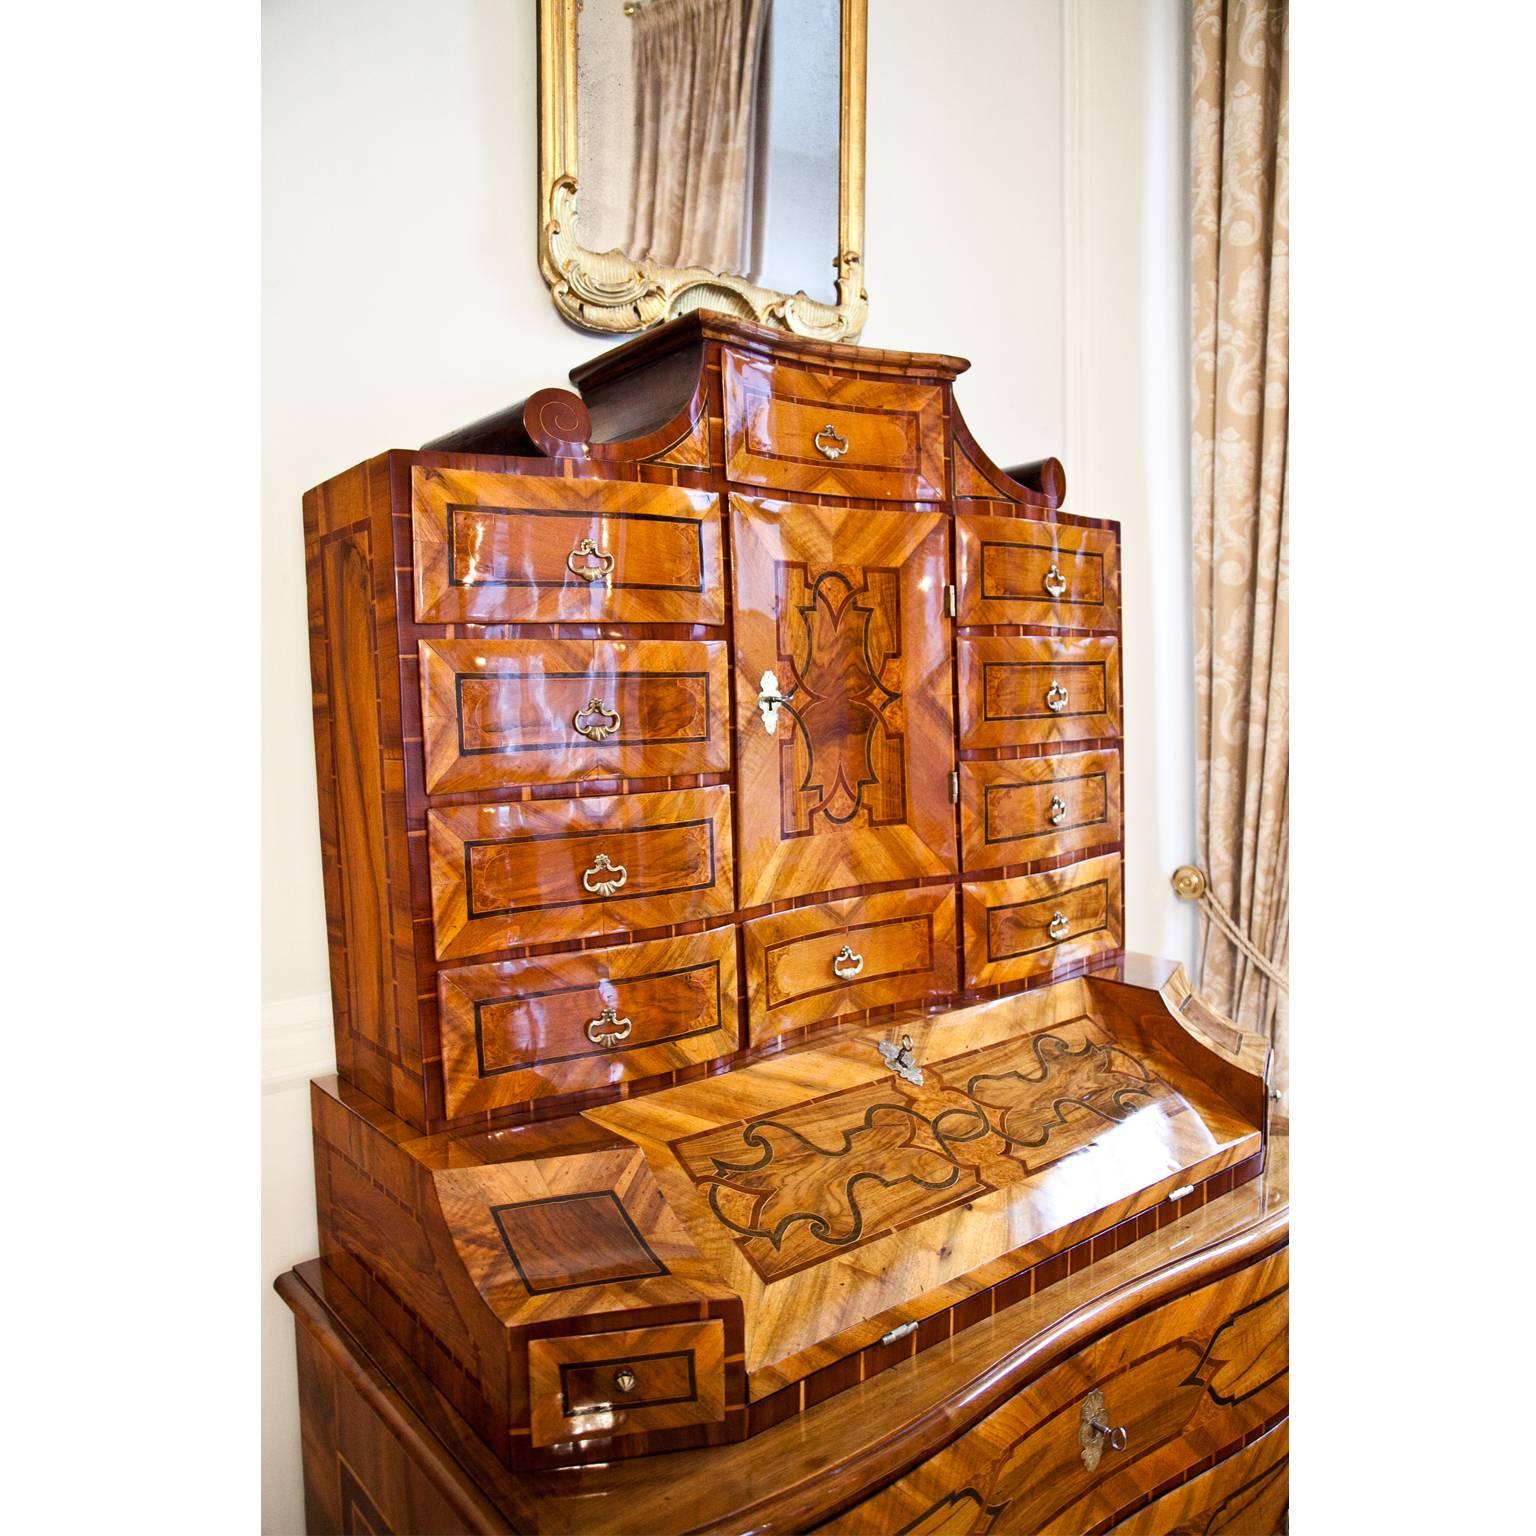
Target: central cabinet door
[[847, 782]]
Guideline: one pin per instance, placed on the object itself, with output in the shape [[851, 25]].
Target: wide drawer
[[1038, 807], [514, 1030], [1015, 929], [499, 712], [542, 871], [1246, 1494], [831, 434], [493, 548], [1014, 571], [1032, 689], [841, 957], [626, 1382], [1187, 1381]]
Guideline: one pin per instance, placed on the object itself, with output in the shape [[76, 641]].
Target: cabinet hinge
[[954, 786], [951, 600]]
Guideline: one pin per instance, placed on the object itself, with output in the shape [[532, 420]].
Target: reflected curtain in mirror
[[696, 65]]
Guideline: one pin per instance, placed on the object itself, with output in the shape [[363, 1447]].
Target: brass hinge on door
[[951, 601], [954, 786]]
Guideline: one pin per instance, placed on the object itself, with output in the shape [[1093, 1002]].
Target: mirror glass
[[708, 135]]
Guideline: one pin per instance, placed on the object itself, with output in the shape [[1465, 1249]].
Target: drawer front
[[840, 957], [1013, 571], [514, 1030], [541, 871], [1035, 689], [626, 1383], [1187, 1381], [499, 712], [494, 549], [795, 429], [1247, 1494], [1015, 929], [1038, 807]]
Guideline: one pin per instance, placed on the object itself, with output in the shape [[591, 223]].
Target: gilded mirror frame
[[610, 291]]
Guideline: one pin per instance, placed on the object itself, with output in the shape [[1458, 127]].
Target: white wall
[[1032, 147]]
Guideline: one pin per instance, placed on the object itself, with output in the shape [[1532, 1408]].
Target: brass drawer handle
[[607, 1029], [1058, 928], [837, 447], [1058, 811], [596, 714], [600, 886], [1055, 698], [625, 1380], [1094, 1432], [1055, 582], [589, 562], [846, 964]]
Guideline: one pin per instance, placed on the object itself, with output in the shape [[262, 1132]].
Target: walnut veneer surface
[[721, 807]]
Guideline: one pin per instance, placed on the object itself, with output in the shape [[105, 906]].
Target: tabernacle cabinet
[[744, 1092]]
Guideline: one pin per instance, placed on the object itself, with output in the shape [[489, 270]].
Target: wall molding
[[297, 1041], [1074, 247]]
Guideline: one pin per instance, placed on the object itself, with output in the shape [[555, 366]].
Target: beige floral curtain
[[696, 71], [1241, 244]]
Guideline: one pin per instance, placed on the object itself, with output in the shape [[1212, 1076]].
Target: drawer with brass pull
[[1033, 689], [798, 429], [516, 1030], [1038, 807], [1015, 571], [511, 549], [499, 712], [542, 871], [841, 957], [627, 1382], [1016, 929]]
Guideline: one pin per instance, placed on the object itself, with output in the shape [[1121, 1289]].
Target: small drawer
[[626, 1383], [494, 549], [815, 963], [499, 712], [831, 434], [1038, 807], [1015, 571], [515, 1030], [1015, 929], [1035, 689], [542, 871]]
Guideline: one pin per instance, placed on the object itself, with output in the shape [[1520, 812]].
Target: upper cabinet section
[[831, 434], [512, 549], [1018, 571]]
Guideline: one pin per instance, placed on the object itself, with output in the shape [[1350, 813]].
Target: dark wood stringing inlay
[[572, 1367], [608, 1245]]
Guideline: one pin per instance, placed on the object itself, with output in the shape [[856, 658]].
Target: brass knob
[[1058, 810], [625, 1380], [1058, 928], [1055, 582], [593, 880], [607, 1029], [601, 722], [846, 964], [837, 447], [1055, 698], [589, 562]]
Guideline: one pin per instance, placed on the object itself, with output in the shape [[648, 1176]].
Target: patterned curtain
[[1240, 247], [696, 72]]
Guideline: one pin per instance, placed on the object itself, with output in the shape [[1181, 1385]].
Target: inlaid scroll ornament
[[596, 721], [604, 877]]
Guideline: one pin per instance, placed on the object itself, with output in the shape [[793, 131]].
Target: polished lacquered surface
[[1019, 571], [1038, 688], [1027, 808]]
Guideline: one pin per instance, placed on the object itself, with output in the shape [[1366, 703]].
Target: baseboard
[[297, 1041]]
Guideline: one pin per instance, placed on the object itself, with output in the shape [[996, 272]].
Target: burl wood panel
[[1029, 808], [1185, 1382], [502, 712], [1032, 689], [886, 437], [574, 1389], [1017, 571], [902, 947], [544, 870], [1245, 1495], [515, 1030], [499, 548], [1015, 929], [845, 608]]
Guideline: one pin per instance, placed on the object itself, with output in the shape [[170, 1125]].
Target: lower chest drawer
[[634, 1381], [1085, 1443], [515, 1030]]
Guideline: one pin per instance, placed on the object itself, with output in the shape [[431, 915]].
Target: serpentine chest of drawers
[[720, 794]]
